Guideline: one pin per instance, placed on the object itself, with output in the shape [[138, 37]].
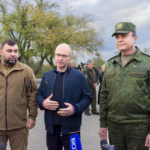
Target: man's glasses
[[63, 56]]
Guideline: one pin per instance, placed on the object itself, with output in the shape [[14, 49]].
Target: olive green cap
[[124, 28]]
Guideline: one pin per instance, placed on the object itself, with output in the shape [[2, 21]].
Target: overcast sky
[[106, 13]]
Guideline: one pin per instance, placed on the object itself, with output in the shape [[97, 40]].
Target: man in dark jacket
[[64, 95]]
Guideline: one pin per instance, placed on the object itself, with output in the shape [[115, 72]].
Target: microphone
[[105, 146], [75, 143]]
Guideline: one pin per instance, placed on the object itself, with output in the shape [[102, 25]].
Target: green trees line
[[39, 27]]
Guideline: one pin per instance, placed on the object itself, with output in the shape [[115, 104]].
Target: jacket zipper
[[62, 104], [5, 100], [6, 103], [63, 91]]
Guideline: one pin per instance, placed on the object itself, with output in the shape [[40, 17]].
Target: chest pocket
[[140, 78], [2, 81], [110, 78], [110, 74], [139, 74]]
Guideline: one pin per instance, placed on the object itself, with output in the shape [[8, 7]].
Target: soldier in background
[[125, 94], [92, 76], [73, 64]]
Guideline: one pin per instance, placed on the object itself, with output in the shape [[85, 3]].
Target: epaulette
[[113, 57], [146, 53]]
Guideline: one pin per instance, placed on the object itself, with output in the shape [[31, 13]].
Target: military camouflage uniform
[[92, 76], [125, 101]]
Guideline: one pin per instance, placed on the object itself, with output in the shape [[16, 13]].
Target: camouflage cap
[[124, 28]]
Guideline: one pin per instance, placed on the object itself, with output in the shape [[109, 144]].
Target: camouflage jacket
[[125, 93], [92, 76]]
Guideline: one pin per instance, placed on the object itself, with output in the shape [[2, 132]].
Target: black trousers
[[56, 141], [2, 146]]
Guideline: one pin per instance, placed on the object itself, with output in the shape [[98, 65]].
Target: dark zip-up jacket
[[17, 96], [76, 92]]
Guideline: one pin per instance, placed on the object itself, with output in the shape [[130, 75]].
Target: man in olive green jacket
[[125, 94], [92, 76], [18, 108]]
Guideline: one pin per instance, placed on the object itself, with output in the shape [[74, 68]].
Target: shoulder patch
[[146, 53], [113, 57]]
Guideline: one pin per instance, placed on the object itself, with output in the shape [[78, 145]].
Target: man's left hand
[[30, 123], [95, 85], [147, 141], [66, 111]]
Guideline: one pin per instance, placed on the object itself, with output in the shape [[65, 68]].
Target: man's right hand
[[50, 104], [103, 133]]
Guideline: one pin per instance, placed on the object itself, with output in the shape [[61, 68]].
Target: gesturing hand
[[50, 104], [66, 111]]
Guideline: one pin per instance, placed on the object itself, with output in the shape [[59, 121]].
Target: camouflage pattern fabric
[[124, 28], [92, 76], [125, 93], [128, 136]]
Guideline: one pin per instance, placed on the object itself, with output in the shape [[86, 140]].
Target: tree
[[16, 25], [39, 28], [98, 61]]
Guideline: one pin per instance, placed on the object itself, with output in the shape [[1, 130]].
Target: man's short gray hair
[[89, 61]]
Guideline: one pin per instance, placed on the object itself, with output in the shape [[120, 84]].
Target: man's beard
[[9, 62]]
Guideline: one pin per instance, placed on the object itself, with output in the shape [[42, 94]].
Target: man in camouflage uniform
[[125, 94], [92, 76]]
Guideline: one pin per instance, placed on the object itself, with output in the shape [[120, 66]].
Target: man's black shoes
[[95, 113], [87, 113]]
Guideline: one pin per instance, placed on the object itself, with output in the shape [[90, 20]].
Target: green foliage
[[45, 68], [34, 65], [18, 26], [39, 28], [98, 61]]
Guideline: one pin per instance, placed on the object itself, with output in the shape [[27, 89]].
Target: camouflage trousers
[[93, 103], [128, 136]]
